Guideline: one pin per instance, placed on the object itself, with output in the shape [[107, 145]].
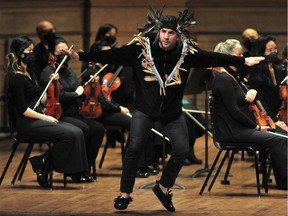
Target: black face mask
[[248, 43], [272, 57], [29, 58], [111, 40], [60, 57], [49, 36]]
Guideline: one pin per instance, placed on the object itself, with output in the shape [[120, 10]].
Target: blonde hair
[[227, 46], [13, 65]]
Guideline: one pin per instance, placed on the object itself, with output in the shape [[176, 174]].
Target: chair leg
[[20, 166], [264, 173], [103, 155], [94, 171], [210, 172], [218, 171], [65, 180], [14, 148], [225, 181], [25, 163], [257, 172]]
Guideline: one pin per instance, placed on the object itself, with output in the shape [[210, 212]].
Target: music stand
[[199, 81]]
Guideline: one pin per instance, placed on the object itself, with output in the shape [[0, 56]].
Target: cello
[[53, 106], [91, 107]]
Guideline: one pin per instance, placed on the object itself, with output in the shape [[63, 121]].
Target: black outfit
[[151, 106], [41, 53], [235, 123], [267, 92], [68, 153], [70, 102]]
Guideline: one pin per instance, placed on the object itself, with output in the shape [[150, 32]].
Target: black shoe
[[81, 178], [40, 165], [122, 203], [154, 169], [194, 160], [143, 172], [165, 198]]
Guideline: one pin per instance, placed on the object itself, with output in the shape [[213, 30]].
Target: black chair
[[30, 141], [233, 148]]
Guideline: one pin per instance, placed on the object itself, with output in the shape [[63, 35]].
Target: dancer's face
[[167, 38]]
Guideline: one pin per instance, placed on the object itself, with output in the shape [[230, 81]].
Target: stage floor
[[238, 198]]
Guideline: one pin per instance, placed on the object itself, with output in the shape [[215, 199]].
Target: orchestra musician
[[70, 97], [46, 32], [235, 122], [266, 78], [160, 72], [68, 152]]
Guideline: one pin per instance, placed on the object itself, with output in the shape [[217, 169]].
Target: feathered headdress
[[155, 21]]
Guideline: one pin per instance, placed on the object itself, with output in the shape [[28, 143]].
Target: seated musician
[[267, 77], [68, 152], [235, 122], [70, 97]]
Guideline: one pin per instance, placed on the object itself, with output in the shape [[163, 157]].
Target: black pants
[[93, 132], [69, 150], [278, 151], [141, 125]]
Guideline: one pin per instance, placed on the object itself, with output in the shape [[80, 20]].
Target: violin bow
[[54, 75], [99, 71], [152, 129]]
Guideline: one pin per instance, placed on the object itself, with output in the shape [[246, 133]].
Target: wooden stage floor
[[238, 198]]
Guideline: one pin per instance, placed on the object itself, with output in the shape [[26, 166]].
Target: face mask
[[49, 36], [29, 58], [272, 57], [248, 43], [110, 39], [60, 57]]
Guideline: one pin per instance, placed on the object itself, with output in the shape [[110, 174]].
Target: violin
[[53, 106], [256, 107], [110, 82], [91, 107], [282, 112], [260, 114]]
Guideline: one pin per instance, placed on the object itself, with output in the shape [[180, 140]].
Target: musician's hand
[[250, 61], [264, 128], [124, 110], [50, 118], [56, 77], [79, 91], [251, 95], [96, 79], [282, 125], [72, 53]]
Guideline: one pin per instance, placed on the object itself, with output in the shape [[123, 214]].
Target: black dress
[[68, 154], [235, 123]]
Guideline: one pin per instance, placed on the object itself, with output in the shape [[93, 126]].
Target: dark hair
[[54, 43], [103, 30], [97, 46], [263, 40], [19, 44]]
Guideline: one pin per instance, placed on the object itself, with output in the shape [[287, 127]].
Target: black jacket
[[164, 108]]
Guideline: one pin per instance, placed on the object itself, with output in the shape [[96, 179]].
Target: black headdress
[[155, 22]]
